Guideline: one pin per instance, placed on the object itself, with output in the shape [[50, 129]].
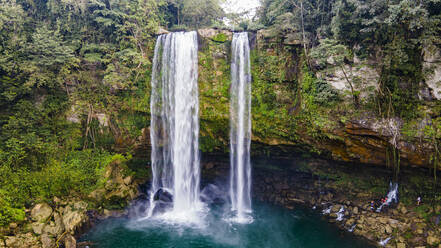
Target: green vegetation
[[65, 67], [75, 82], [393, 33]]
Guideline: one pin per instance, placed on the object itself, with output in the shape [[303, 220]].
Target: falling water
[[174, 129], [392, 196], [240, 128]]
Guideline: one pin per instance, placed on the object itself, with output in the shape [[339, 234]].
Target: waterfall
[[240, 127], [174, 128], [392, 196]]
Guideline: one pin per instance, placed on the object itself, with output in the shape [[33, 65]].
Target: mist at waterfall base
[[273, 227]]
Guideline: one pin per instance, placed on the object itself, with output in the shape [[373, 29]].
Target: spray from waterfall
[[240, 128], [174, 128]]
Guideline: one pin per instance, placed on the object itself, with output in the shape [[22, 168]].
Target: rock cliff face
[[293, 106], [282, 116]]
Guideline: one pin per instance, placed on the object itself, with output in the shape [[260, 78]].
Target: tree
[[331, 50], [199, 13]]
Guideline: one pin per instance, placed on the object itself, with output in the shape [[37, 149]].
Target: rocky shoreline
[[63, 221], [286, 182], [348, 207]]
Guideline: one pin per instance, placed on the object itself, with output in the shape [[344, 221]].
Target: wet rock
[[41, 212], [163, 195], [113, 213], [213, 194], [350, 222], [335, 208]]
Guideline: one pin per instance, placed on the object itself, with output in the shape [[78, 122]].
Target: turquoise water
[[272, 227]]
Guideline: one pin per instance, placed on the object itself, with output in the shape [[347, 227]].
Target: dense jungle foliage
[[64, 64]]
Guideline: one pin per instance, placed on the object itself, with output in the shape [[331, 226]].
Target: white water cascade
[[174, 129], [240, 128], [392, 196]]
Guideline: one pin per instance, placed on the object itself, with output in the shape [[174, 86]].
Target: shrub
[[79, 173]]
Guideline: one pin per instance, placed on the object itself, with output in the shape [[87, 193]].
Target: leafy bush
[[79, 173], [7, 212], [221, 37], [324, 93]]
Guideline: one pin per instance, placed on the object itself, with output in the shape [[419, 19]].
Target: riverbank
[[342, 192], [60, 222]]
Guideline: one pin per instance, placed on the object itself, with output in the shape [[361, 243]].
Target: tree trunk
[[354, 97]]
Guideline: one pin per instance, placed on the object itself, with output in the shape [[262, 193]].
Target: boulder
[[37, 227], [98, 194], [161, 31], [335, 208], [163, 195], [401, 245], [433, 240], [58, 223], [53, 229], [128, 180], [72, 219], [388, 229], [41, 212], [355, 210], [403, 210], [22, 240], [70, 241], [80, 205], [47, 241], [350, 222]]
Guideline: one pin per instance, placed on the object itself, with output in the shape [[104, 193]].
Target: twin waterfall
[[174, 127], [240, 127]]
